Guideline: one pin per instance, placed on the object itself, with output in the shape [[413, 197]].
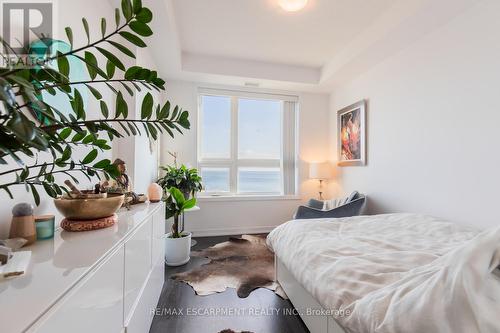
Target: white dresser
[[106, 280]]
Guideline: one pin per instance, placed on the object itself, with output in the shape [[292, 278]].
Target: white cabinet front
[[94, 305], [137, 265], [159, 238]]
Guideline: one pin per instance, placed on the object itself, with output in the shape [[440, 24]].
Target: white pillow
[[334, 203]]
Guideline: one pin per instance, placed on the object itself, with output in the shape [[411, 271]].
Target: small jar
[[45, 227]]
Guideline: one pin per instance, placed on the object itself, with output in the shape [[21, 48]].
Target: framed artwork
[[351, 131]]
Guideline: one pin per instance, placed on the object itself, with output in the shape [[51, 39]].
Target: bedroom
[[292, 118]]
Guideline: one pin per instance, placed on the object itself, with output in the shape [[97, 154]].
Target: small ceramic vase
[[23, 223]]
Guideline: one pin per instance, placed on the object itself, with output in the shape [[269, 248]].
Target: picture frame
[[351, 135]]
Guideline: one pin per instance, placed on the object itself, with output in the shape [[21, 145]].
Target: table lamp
[[320, 171]]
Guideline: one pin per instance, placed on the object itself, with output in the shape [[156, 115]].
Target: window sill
[[208, 198]]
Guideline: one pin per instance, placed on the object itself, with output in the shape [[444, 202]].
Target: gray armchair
[[354, 207]]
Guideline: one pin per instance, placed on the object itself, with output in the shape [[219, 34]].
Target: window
[[247, 143]]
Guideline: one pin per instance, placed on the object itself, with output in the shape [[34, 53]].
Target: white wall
[[140, 152], [217, 216], [433, 117]]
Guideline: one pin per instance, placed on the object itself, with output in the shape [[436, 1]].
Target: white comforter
[[397, 272]]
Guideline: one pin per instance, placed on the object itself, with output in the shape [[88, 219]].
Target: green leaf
[[127, 9], [174, 113], [129, 90], [69, 34], [90, 157], [110, 69], [77, 105], [94, 92], [22, 127], [117, 17], [86, 27], [165, 110], [24, 174], [79, 136], [177, 196], [137, 6], [88, 139], [104, 110], [131, 73], [145, 15], [6, 189], [122, 48], [111, 57], [147, 106], [103, 27], [160, 83], [65, 133], [102, 164], [121, 106], [36, 196], [49, 190], [152, 130], [63, 64], [66, 153], [141, 28], [91, 63], [189, 204], [184, 120], [112, 88], [134, 39]]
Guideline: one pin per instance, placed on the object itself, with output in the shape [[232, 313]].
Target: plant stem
[[61, 125], [27, 180], [85, 82]]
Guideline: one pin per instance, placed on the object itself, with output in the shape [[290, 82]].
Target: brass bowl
[[89, 209]]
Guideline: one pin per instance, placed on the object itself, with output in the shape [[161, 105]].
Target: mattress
[[396, 272]]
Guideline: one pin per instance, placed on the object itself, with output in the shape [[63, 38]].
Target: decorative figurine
[[122, 185], [123, 181]]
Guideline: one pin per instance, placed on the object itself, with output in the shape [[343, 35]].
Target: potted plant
[[187, 180], [177, 242]]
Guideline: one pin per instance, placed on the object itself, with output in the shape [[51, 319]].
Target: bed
[[389, 273]]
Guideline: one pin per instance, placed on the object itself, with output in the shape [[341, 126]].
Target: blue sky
[[259, 127]]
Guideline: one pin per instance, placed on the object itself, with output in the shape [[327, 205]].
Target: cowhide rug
[[242, 263]]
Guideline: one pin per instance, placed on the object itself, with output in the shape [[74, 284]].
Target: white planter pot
[[177, 250]]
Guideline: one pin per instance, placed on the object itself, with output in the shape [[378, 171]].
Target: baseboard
[[231, 231]]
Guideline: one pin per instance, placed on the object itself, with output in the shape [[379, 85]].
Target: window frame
[[286, 163]]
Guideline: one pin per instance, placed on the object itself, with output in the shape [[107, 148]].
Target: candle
[[44, 227]]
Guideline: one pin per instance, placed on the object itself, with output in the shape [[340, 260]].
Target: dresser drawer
[[95, 304], [158, 255], [137, 265]]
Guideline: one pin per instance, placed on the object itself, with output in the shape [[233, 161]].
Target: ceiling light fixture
[[292, 5]]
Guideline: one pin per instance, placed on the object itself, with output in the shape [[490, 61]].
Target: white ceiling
[[232, 42], [259, 30]]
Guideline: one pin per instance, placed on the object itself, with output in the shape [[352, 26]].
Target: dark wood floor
[[180, 310]]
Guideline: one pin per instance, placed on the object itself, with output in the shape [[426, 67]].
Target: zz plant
[[25, 137]]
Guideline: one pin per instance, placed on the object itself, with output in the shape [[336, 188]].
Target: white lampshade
[[321, 170]]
